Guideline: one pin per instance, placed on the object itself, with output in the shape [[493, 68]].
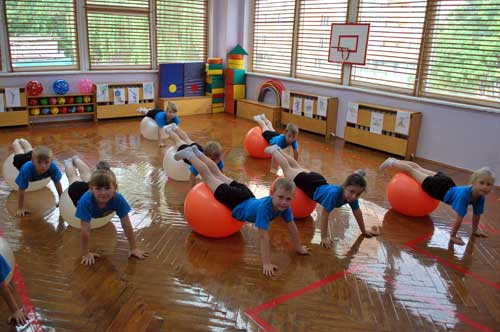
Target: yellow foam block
[[215, 72], [218, 110], [216, 105], [219, 90], [236, 62], [208, 79], [208, 94], [239, 91]]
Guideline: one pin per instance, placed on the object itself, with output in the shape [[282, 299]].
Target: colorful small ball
[[60, 87], [88, 108], [87, 99], [35, 111], [52, 101], [78, 100], [34, 88], [54, 110], [63, 110], [61, 100], [80, 109], [44, 101], [72, 109], [33, 102], [70, 100], [85, 85], [45, 110]]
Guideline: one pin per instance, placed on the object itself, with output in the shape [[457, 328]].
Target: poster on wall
[[2, 109], [285, 99], [102, 92], [308, 108], [403, 123], [322, 106], [133, 95], [13, 97], [377, 122], [297, 106], [352, 113], [118, 96], [147, 88]]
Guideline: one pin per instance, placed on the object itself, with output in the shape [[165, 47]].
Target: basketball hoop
[[345, 51]]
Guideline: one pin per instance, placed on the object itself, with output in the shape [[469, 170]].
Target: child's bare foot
[[259, 117], [479, 233], [457, 240], [169, 128], [186, 153], [142, 110], [387, 163]]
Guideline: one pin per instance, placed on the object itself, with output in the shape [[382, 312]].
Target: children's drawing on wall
[[148, 90], [102, 92], [13, 97]]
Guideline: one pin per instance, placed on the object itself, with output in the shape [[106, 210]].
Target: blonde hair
[[213, 149], [171, 107], [103, 178], [482, 172], [42, 152], [285, 184], [292, 128]]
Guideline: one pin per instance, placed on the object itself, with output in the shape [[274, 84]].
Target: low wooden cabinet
[[110, 109], [392, 139], [14, 116], [247, 109]]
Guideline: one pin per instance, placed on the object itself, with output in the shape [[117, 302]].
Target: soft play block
[[239, 91], [235, 76], [217, 82], [171, 77]]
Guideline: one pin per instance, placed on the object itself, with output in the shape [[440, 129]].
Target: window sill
[[79, 72], [380, 93]]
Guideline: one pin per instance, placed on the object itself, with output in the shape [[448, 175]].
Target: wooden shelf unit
[[60, 115], [323, 125], [247, 109], [389, 141], [109, 110], [189, 105], [14, 116]]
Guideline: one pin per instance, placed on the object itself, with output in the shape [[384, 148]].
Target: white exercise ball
[[8, 255], [10, 173], [67, 210], [176, 170], [149, 128]]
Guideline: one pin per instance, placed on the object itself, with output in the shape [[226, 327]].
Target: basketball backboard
[[348, 43]]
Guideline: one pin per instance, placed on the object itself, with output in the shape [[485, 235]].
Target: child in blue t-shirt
[[213, 150], [181, 139], [33, 165], [281, 140], [162, 118], [443, 188], [17, 315], [327, 195], [95, 199], [245, 207]]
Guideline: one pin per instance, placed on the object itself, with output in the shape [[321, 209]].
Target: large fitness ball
[[255, 144], [407, 196]]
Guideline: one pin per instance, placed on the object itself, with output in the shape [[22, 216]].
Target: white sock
[[387, 163]]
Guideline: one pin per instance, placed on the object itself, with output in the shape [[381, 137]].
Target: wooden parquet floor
[[408, 279]]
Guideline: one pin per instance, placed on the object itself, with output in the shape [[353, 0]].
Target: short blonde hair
[[292, 128], [213, 149], [171, 107], [42, 152], [483, 172], [103, 178], [285, 184]]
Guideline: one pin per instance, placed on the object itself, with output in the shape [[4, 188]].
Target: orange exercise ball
[[302, 206], [207, 216], [407, 196], [255, 144]]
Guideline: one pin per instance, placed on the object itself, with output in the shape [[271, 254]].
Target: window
[[396, 28], [316, 18], [273, 36], [42, 34], [118, 34], [181, 30], [462, 58]]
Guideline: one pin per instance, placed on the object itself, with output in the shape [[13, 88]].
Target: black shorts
[[76, 190], [21, 159], [233, 194], [152, 113], [437, 185], [183, 146], [268, 135], [308, 182]]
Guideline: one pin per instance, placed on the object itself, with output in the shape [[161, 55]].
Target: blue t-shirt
[[161, 119], [29, 174], [459, 197], [87, 207], [330, 196], [280, 140], [193, 170], [260, 212], [4, 268]]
